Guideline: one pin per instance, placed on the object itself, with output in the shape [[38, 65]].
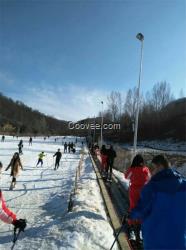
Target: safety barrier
[[112, 213], [77, 176]]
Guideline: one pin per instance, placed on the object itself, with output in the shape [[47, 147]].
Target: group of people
[[157, 197], [58, 156], [107, 156], [158, 202], [70, 147], [6, 215], [15, 165]]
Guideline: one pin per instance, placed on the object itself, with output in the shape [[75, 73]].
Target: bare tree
[[160, 96], [131, 103], [181, 94], [120, 104], [115, 105]]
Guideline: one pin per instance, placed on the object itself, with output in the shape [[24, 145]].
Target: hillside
[[169, 122], [17, 118]]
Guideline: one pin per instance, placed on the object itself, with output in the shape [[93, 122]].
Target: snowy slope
[[42, 196]]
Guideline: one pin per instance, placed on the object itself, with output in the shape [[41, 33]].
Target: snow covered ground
[[169, 146], [42, 195]]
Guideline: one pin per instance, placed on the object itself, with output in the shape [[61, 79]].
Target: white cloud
[[69, 102]]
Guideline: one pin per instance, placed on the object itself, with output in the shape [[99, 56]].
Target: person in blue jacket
[[162, 208]]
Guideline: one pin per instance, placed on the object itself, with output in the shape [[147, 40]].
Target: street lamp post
[[94, 134], [140, 37], [102, 124]]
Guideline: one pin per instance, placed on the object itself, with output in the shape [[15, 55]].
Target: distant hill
[[169, 122], [17, 118]]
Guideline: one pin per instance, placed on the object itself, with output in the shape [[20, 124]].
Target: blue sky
[[64, 57]]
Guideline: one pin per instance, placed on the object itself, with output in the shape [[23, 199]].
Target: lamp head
[[140, 37]]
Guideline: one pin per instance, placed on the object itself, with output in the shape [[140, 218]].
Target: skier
[[7, 216], [65, 147], [1, 167], [3, 138], [30, 141], [69, 147], [72, 145], [162, 207], [110, 161], [15, 165], [40, 158], [104, 158], [58, 156], [20, 146], [139, 175]]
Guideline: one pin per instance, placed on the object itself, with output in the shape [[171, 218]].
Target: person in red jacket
[[7, 216], [104, 160], [138, 175]]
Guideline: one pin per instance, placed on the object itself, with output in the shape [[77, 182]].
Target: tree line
[[160, 115], [17, 118]]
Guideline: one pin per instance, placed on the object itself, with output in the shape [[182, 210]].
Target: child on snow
[[40, 158], [139, 175], [15, 165]]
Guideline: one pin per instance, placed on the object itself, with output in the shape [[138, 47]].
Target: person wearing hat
[[162, 207]]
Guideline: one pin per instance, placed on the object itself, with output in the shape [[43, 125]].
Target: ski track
[[41, 195]]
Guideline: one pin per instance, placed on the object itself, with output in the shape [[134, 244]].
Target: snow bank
[[121, 178], [182, 169], [87, 226]]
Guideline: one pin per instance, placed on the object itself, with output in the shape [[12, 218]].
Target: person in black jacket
[[69, 147], [65, 147], [111, 153], [58, 156], [30, 141], [20, 147], [1, 168]]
